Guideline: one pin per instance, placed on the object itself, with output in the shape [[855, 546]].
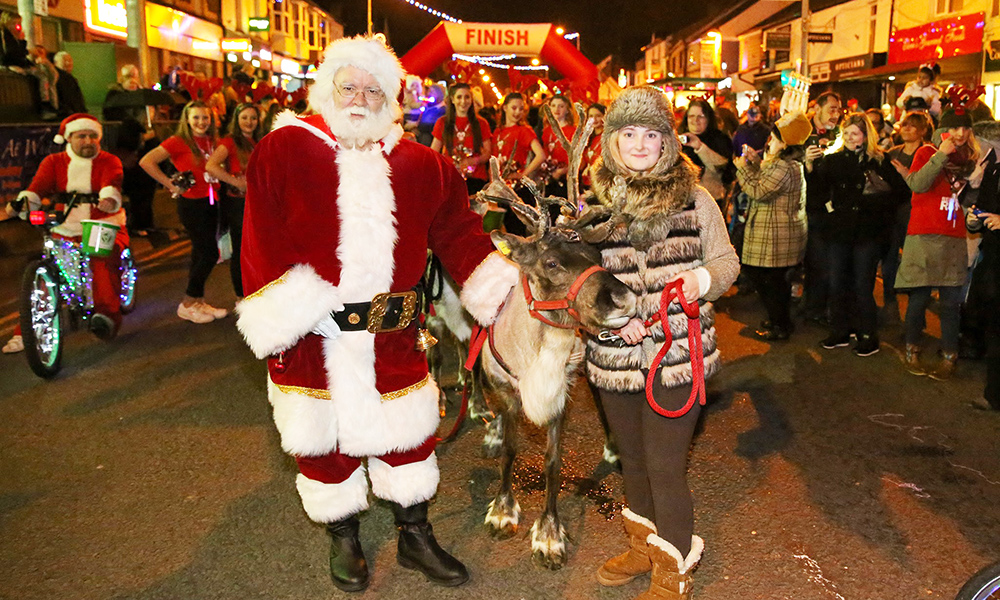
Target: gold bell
[[425, 340]]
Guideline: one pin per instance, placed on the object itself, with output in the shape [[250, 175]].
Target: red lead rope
[[672, 291]]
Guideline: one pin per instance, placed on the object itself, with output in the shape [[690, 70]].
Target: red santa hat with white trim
[[78, 122]]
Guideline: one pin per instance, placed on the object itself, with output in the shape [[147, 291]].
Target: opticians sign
[[938, 40], [106, 17]]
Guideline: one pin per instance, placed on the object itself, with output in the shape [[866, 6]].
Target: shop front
[[176, 38]]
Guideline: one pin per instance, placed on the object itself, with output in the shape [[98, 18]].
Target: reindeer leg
[[478, 406], [610, 443], [548, 537], [494, 436], [504, 512]]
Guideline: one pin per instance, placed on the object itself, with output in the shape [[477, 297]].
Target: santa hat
[[77, 122], [362, 52]]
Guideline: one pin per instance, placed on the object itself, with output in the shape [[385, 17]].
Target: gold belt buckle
[[380, 304]]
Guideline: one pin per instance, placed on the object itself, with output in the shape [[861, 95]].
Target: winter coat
[[853, 215], [776, 220]]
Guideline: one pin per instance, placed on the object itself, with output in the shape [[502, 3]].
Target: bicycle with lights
[[57, 287]]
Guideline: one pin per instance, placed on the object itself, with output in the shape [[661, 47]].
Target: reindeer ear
[[514, 247]]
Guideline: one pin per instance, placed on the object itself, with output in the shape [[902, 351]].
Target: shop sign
[[778, 40], [290, 67], [849, 67], [819, 37], [42, 8], [236, 44], [992, 56], [21, 151], [259, 24], [938, 40], [106, 17], [819, 72]]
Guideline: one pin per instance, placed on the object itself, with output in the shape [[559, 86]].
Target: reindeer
[[533, 350]]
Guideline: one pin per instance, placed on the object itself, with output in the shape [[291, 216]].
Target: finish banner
[[497, 38]]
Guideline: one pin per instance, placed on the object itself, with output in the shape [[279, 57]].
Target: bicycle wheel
[[41, 323], [984, 585], [129, 280]]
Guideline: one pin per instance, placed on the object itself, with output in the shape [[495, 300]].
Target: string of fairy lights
[[436, 13]]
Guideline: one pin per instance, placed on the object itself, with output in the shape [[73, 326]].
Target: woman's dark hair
[[244, 146], [451, 115], [920, 121], [600, 107], [706, 109], [503, 107], [874, 113], [184, 129], [797, 153]]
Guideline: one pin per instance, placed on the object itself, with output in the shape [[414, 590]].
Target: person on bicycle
[[84, 168]]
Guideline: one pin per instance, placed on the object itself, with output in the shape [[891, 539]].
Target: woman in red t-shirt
[[188, 149], [593, 151], [557, 163], [466, 140], [228, 164], [513, 132]]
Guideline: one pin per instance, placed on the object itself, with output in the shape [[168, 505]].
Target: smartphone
[[823, 143], [683, 138], [747, 150], [978, 213]]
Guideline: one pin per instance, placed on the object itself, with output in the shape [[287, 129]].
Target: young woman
[[858, 184], [593, 151], [775, 238], [710, 149], [935, 254], [198, 208], [465, 137], [513, 130], [557, 163], [228, 164], [683, 237]]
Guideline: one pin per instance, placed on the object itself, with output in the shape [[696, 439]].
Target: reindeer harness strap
[[534, 306], [671, 292]]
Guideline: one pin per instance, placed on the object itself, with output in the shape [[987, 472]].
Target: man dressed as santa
[[340, 212], [87, 169]]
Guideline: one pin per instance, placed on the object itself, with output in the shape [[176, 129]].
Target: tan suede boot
[[625, 567], [911, 360], [671, 579], [946, 368]]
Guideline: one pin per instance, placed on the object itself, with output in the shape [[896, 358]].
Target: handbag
[[875, 184]]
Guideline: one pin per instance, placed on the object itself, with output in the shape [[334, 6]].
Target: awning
[[956, 68]]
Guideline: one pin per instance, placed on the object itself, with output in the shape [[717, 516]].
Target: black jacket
[[839, 182], [70, 96]]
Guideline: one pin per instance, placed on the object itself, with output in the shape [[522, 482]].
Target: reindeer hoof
[[548, 544], [502, 518]]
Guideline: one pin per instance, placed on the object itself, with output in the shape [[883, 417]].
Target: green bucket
[[98, 237]]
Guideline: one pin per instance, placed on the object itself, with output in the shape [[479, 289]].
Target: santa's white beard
[[357, 126]]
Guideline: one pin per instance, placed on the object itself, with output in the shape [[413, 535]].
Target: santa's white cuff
[[406, 484], [110, 191], [34, 200], [487, 288], [331, 502], [276, 316]]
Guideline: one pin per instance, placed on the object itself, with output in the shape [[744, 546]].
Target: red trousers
[[336, 467]]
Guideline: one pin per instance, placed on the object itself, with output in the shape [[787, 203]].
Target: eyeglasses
[[349, 92]]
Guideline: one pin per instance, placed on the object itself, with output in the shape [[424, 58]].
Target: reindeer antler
[[961, 96], [595, 234], [498, 191], [574, 149]]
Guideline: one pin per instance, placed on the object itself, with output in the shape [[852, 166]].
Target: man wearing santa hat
[[340, 212], [86, 169]]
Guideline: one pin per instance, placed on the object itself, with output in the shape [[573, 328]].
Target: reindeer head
[[553, 258]]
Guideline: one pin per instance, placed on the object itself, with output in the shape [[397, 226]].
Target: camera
[[683, 138]]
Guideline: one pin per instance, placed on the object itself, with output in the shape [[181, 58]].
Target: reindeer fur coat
[[670, 225]]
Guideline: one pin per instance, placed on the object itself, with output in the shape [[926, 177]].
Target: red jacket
[[929, 210]]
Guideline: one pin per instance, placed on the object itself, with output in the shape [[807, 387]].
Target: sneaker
[[867, 345], [102, 326], [13, 345], [983, 404], [772, 334], [836, 340], [217, 313], [193, 313]]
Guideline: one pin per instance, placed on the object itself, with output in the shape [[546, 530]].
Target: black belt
[[385, 312]]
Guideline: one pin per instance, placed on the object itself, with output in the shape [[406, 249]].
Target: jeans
[[232, 213], [201, 220], [916, 315], [775, 293], [817, 271], [853, 266], [890, 263]]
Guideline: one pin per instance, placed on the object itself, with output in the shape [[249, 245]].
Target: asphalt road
[[149, 469]]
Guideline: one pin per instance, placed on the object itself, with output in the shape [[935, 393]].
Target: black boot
[[419, 550], [348, 567]]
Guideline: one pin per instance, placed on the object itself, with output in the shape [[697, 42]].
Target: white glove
[[328, 328]]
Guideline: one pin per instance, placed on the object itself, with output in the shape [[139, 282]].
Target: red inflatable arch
[[524, 39]]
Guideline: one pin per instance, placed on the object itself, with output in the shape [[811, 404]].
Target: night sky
[[606, 26]]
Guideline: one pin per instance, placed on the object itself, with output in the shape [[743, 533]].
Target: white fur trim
[[406, 484], [331, 502], [274, 319], [631, 516], [449, 309], [486, 289], [683, 564], [365, 53], [78, 173], [307, 426], [110, 191], [81, 124], [34, 200]]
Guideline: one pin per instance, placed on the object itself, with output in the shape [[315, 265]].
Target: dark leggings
[[201, 220], [654, 451], [916, 315], [775, 293], [232, 213]]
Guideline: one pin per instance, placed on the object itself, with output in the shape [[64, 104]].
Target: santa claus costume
[[100, 174], [342, 228]]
